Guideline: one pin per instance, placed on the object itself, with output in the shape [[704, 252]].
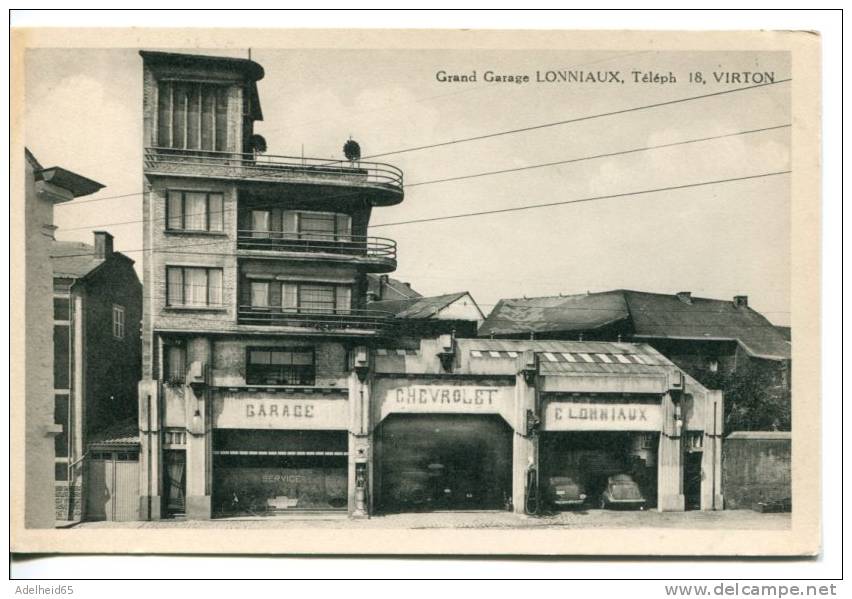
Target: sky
[[84, 113]]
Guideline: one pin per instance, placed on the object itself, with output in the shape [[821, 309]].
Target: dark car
[[565, 491], [622, 492]]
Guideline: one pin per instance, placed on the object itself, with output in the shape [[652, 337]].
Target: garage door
[[112, 491], [444, 462]]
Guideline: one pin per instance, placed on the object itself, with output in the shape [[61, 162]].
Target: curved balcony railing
[[325, 243], [324, 320], [267, 167]]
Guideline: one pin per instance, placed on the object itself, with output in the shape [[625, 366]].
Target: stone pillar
[[524, 448], [711, 460], [199, 431], [670, 459], [360, 478], [150, 475]]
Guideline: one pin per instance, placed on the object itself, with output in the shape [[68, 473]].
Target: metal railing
[[330, 320], [327, 243], [236, 165]]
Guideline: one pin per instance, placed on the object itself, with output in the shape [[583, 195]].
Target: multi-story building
[[44, 187], [255, 289], [97, 312], [271, 385]]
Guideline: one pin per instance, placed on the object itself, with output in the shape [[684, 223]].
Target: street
[[725, 520]]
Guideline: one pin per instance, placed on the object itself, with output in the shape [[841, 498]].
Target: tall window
[[118, 321], [260, 294], [280, 366], [174, 364], [193, 286], [195, 211], [192, 116], [260, 223], [60, 416]]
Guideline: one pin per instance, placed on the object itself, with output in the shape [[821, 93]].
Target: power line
[[520, 130], [577, 201], [575, 120], [471, 214], [607, 155], [476, 175]]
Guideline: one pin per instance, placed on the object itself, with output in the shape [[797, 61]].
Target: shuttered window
[[192, 116]]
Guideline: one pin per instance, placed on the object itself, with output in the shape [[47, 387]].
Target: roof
[[761, 435], [418, 307], [75, 259], [646, 315], [573, 357], [78, 185], [393, 288], [125, 432]]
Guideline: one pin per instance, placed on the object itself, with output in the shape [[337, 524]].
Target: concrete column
[[524, 449], [670, 460], [711, 460], [360, 446], [198, 446], [150, 475]]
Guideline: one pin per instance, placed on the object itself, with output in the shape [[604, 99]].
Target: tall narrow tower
[[255, 299]]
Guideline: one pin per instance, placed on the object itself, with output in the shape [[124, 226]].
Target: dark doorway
[[174, 482], [692, 480], [444, 462]]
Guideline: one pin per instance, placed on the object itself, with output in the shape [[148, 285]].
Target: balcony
[[352, 320], [375, 254], [383, 181]]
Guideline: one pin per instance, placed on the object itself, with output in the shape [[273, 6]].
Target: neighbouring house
[[724, 344], [97, 312], [385, 288], [43, 188], [455, 313]]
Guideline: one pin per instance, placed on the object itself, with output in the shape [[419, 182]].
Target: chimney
[[103, 244], [407, 284], [383, 282], [685, 297], [741, 301]]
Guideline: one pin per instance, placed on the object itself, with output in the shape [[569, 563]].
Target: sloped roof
[[417, 307], [556, 313], [666, 316], [125, 432], [73, 259], [394, 288], [650, 315]]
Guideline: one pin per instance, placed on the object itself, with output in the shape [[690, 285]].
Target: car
[[565, 491], [622, 492]]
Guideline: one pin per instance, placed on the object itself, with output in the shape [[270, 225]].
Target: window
[[61, 356], [280, 366], [118, 321], [259, 294], [307, 298], [61, 308], [713, 365], [192, 116], [324, 226], [60, 416], [175, 364], [193, 286], [194, 211], [260, 223]]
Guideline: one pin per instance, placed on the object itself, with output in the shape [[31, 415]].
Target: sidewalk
[[724, 520]]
